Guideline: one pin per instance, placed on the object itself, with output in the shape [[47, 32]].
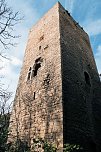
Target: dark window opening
[[30, 69], [29, 74], [37, 66], [37, 60], [34, 70], [39, 47], [87, 78], [34, 96]]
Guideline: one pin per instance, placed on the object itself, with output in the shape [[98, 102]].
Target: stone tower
[[58, 85]]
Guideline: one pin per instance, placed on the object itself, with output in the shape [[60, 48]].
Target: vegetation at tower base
[[4, 118], [4, 123], [39, 145]]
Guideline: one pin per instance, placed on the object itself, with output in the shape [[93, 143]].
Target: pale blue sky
[[86, 12]]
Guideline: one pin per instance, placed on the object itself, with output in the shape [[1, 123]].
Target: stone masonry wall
[[37, 110], [58, 95], [79, 79]]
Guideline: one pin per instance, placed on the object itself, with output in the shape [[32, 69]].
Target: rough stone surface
[[80, 79], [58, 94]]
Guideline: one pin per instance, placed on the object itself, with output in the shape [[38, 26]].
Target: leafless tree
[[8, 20], [5, 105]]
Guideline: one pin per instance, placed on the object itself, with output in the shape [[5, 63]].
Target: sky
[[86, 12]]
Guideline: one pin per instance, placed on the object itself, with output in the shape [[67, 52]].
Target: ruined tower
[[58, 85]]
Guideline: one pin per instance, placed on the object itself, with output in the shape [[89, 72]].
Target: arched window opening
[[87, 78], [38, 60], [34, 70], [36, 66]]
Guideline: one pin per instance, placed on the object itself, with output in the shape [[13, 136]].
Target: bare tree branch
[[8, 20]]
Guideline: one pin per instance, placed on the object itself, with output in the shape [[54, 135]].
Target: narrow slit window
[[87, 78], [39, 47], [34, 96], [29, 75]]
